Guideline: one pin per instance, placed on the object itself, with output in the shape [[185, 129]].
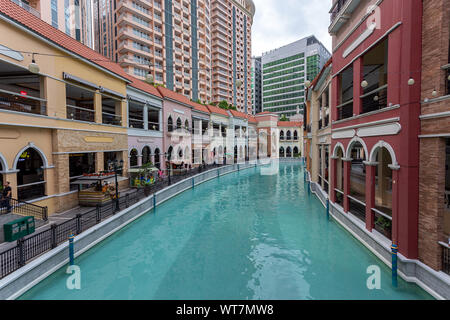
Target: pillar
[[145, 117], [11, 176], [333, 178], [139, 160], [98, 107], [357, 89], [346, 173], [395, 202], [99, 161], [370, 194]]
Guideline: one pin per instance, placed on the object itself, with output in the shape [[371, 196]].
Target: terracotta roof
[[238, 114], [200, 107], [40, 27], [290, 123], [169, 94], [214, 109], [251, 119]]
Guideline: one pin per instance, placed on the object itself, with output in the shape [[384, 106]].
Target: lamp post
[[116, 168], [168, 156]]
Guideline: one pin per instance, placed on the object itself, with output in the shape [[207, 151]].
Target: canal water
[[242, 236]]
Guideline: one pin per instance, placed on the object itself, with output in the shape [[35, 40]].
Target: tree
[[284, 118], [223, 104]]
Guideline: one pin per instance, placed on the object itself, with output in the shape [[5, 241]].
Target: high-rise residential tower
[[231, 52], [74, 17], [256, 85], [285, 71], [170, 39]]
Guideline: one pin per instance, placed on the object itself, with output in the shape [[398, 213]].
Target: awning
[[67, 76], [91, 180]]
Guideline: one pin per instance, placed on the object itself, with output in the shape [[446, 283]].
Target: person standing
[[7, 197]]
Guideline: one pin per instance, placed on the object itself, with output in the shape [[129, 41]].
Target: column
[[99, 161], [357, 89], [11, 176], [98, 107], [333, 178], [346, 173], [395, 211], [145, 117], [139, 160], [370, 193]]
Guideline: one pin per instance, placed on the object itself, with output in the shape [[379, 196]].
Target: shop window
[[30, 178], [79, 164]]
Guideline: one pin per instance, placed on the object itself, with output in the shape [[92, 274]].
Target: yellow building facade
[[68, 118]]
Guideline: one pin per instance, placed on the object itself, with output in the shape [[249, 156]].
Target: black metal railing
[[82, 114], [383, 224], [325, 186], [374, 100], [357, 209], [36, 244], [111, 119], [345, 111], [24, 209], [339, 197], [445, 257]]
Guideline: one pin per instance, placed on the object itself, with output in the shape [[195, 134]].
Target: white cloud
[[280, 22]]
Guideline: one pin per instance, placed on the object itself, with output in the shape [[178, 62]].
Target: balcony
[[340, 13], [345, 110], [28, 8], [22, 103], [374, 100]]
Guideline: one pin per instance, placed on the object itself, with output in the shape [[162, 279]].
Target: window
[[111, 110], [80, 103], [54, 9], [135, 115], [80, 164], [345, 109], [30, 178]]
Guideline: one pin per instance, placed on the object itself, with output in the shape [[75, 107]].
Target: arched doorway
[[281, 152], [288, 152], [383, 192], [178, 123], [157, 159], [146, 155], [30, 178], [296, 154], [133, 158], [357, 181]]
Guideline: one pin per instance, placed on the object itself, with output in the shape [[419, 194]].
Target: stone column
[[145, 117], [98, 107], [11, 176], [346, 173], [139, 160], [333, 178], [370, 193], [99, 162]]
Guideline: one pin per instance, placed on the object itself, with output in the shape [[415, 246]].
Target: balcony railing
[[383, 223], [22, 103], [357, 208], [445, 257], [345, 110], [79, 113], [111, 119], [136, 123], [374, 100], [28, 8], [336, 9], [339, 197]]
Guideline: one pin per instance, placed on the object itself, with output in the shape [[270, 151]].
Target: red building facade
[[375, 108]]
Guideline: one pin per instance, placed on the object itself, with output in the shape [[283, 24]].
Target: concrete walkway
[[57, 218]]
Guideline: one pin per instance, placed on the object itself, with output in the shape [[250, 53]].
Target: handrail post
[[53, 231], [78, 216]]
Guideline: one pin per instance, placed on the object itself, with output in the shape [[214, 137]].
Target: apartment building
[[168, 39], [231, 22], [73, 17], [286, 70], [256, 85]]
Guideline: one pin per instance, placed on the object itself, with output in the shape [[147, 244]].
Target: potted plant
[[385, 225]]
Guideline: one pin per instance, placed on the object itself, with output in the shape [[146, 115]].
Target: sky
[[280, 22]]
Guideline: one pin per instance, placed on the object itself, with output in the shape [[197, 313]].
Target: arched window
[[170, 153], [178, 123], [146, 155], [295, 150], [180, 153], [133, 158], [288, 152], [157, 159], [281, 135], [170, 124], [288, 135], [295, 135], [30, 178], [281, 152], [186, 125]]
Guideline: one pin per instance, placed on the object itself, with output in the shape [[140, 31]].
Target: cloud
[[278, 23]]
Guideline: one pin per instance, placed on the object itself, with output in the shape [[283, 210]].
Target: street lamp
[[168, 156], [116, 168]]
